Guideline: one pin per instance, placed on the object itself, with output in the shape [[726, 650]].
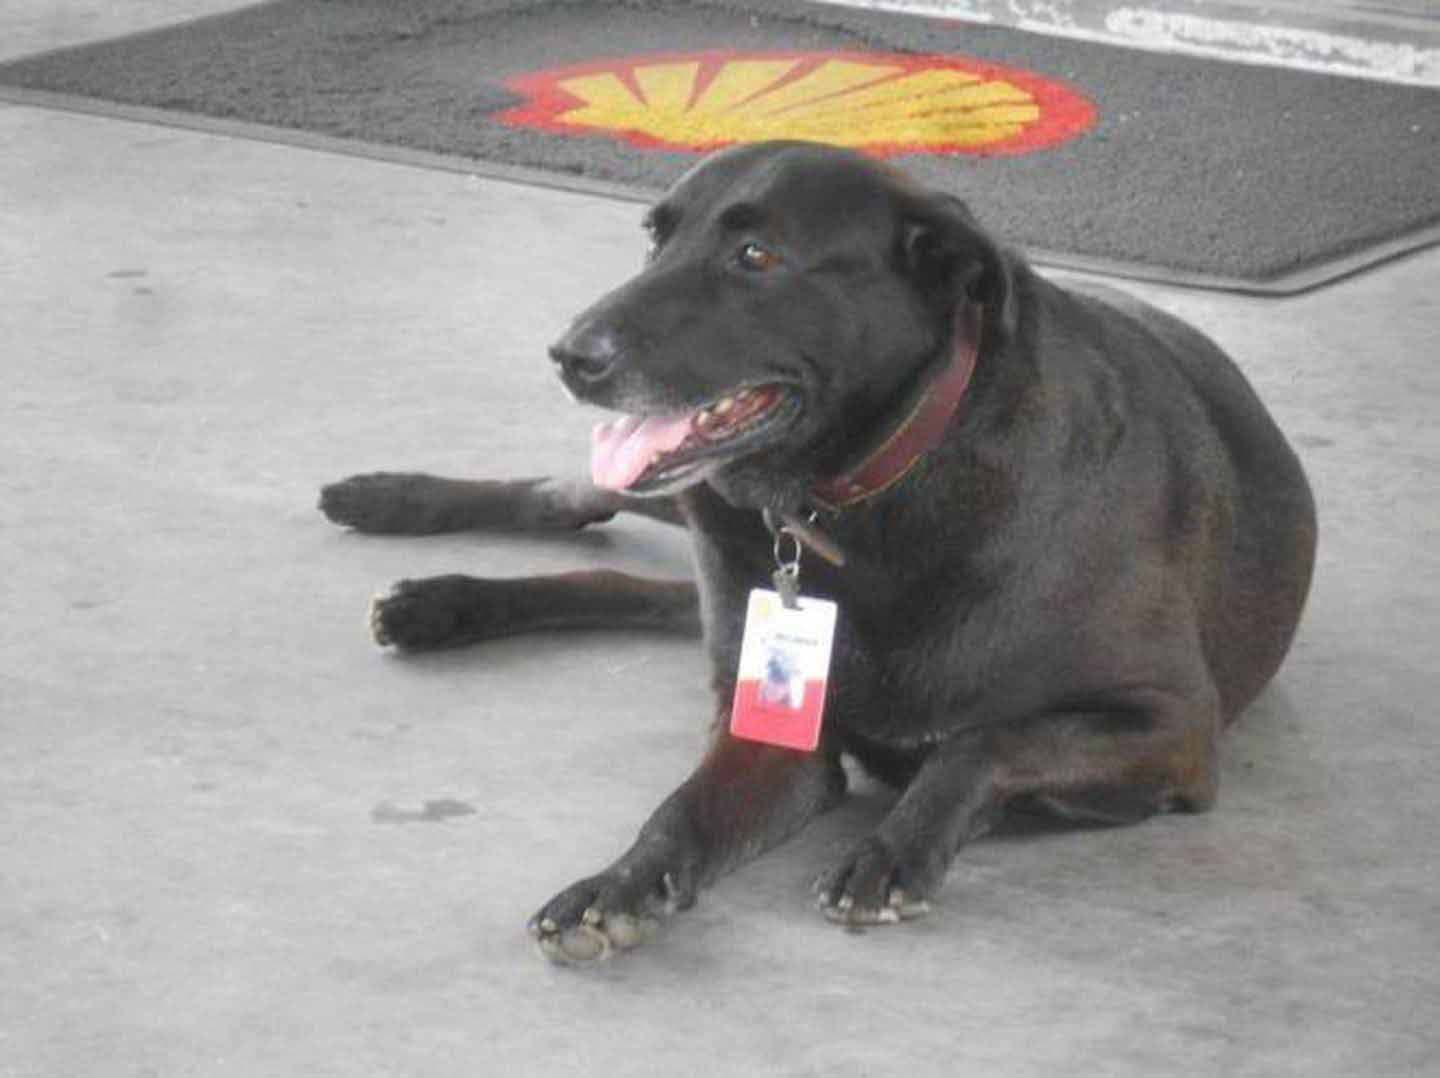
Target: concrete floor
[[215, 854]]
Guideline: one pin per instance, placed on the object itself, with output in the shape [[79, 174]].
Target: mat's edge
[[1302, 279]]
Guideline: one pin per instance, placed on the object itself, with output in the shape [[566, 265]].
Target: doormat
[[1162, 166]]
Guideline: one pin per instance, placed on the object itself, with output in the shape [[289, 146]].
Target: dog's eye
[[752, 256]]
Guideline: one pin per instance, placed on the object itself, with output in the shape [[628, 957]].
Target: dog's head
[[792, 292]]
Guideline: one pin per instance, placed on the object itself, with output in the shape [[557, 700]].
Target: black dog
[[1067, 543]]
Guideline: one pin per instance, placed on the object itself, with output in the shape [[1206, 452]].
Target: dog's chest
[[899, 688]]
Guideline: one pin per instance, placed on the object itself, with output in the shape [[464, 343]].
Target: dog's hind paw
[[422, 615], [872, 887], [381, 503], [403, 503]]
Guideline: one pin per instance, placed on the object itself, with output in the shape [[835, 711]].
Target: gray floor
[[214, 854]]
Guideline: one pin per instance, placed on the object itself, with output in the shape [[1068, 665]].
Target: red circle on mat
[[882, 103]]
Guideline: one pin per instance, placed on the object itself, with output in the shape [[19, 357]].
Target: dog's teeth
[[723, 405]]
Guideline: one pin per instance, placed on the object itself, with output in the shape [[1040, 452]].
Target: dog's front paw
[[614, 911], [876, 885]]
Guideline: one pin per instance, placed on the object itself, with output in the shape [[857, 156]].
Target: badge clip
[[787, 569]]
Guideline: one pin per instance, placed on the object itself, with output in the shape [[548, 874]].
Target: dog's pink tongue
[[622, 451]]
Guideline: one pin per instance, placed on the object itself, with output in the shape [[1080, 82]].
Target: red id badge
[[784, 664]]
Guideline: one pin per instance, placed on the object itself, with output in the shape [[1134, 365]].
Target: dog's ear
[[947, 254]]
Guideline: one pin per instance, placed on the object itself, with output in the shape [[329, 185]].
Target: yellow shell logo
[[879, 102]]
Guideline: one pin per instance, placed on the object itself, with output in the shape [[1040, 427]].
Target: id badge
[[784, 664]]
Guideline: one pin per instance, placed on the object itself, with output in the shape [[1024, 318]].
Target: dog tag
[[784, 664]]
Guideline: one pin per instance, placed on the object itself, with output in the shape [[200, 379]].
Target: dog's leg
[[743, 799], [403, 503], [892, 873], [447, 611], [1100, 767]]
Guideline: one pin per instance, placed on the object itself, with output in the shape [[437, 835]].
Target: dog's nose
[[588, 352]]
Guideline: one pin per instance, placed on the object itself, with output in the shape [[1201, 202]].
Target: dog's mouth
[[659, 454]]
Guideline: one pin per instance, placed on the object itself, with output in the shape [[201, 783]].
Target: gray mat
[[1194, 170]]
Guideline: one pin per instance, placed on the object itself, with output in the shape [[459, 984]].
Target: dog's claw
[[579, 944], [595, 938], [376, 621], [625, 931], [906, 908], [673, 898], [845, 912], [863, 890]]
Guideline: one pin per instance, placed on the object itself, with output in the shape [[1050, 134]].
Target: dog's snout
[[588, 352]]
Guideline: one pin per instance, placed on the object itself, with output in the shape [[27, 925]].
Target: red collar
[[926, 418]]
